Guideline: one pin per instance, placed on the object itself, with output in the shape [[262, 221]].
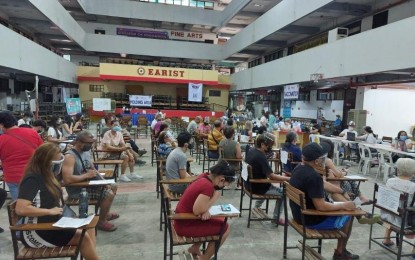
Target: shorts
[[199, 228], [335, 222], [93, 193], [116, 156], [50, 238]]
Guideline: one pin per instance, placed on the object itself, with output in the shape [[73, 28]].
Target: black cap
[[313, 151]]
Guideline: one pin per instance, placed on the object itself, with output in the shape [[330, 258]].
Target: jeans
[[278, 203], [14, 190]]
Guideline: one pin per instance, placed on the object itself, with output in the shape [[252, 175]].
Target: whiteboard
[[101, 104]]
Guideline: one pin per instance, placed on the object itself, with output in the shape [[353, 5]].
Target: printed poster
[[195, 92], [73, 106], [141, 101]]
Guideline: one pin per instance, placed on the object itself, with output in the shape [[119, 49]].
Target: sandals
[[106, 226], [112, 216], [388, 244]]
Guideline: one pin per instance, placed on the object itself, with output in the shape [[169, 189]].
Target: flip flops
[[107, 226], [388, 244], [112, 216]]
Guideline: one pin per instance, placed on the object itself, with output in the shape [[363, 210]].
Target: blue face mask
[[403, 137], [116, 128]]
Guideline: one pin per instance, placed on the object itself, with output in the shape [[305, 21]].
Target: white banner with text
[[195, 92], [291, 91], [140, 101]]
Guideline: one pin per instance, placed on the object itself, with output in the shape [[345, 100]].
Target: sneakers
[[124, 178], [134, 176], [346, 255], [365, 220], [140, 162]]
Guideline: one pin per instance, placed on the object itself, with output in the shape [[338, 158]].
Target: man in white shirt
[[194, 125], [353, 146], [25, 119]]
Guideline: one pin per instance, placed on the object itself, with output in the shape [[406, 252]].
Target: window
[[99, 31], [214, 93], [380, 19], [96, 88]]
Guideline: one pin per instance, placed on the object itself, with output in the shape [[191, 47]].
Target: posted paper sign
[[195, 92], [388, 198], [141, 101], [291, 91], [101, 104]]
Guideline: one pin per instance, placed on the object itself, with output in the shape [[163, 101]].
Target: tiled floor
[[138, 235]]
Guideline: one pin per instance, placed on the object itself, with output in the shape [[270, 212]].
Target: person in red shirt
[[197, 199], [17, 146]]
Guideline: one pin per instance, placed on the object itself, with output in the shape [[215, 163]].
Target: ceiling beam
[[30, 22], [251, 52], [299, 29], [347, 8], [271, 43], [250, 14], [230, 11], [236, 59], [236, 25]]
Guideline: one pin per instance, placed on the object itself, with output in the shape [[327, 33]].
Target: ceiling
[[25, 17]]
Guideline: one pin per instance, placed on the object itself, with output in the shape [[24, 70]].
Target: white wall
[[390, 110], [18, 52], [389, 47], [308, 109]]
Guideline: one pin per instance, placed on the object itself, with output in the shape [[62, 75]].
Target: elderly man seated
[[305, 178], [78, 167]]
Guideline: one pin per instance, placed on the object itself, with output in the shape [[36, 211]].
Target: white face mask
[[56, 166]]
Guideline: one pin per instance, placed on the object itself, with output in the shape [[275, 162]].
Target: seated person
[[403, 143], [114, 141], [67, 126], [402, 183], [231, 148], [308, 180], [78, 126], [351, 129], [214, 138], [176, 164], [314, 128], [197, 199], [39, 201], [262, 170], [369, 137], [353, 146], [54, 133], [165, 145], [78, 167], [193, 125], [286, 125], [246, 134], [204, 129], [290, 146]]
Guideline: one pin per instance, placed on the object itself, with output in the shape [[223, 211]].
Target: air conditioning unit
[[342, 32]]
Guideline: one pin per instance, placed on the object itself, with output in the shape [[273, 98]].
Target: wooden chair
[[259, 213], [397, 204], [142, 126], [98, 160], [23, 252], [206, 159], [172, 239], [298, 197]]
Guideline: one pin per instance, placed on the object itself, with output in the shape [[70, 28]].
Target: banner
[[195, 92], [73, 106], [291, 91], [140, 101], [286, 112], [101, 104]]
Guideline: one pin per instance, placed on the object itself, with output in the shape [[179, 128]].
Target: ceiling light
[[258, 5], [123, 55], [66, 49], [61, 40]]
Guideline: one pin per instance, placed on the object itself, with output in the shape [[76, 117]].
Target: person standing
[[17, 145]]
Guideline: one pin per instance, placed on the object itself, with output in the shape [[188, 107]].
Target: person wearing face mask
[[305, 178], [214, 138], [204, 129], [197, 199], [40, 201], [113, 140], [16, 147], [262, 170], [347, 146], [176, 163], [403, 143], [25, 119], [73, 172]]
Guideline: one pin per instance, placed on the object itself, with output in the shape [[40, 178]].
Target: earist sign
[[291, 91], [176, 73]]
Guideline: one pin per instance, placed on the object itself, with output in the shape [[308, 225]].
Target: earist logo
[[141, 71]]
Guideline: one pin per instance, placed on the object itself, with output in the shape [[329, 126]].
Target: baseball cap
[[313, 151], [352, 123]]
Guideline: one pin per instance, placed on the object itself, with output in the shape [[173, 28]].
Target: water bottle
[[83, 203]]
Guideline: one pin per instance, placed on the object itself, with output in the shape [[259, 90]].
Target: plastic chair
[[366, 159], [386, 166]]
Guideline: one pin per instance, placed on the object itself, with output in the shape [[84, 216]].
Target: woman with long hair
[[67, 126], [39, 201]]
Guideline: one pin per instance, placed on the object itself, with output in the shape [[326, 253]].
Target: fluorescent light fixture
[[66, 49], [123, 55], [258, 5]]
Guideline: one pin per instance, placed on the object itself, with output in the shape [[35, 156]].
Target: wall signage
[[291, 91], [140, 101]]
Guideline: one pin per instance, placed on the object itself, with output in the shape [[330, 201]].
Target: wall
[[386, 115], [308, 109]]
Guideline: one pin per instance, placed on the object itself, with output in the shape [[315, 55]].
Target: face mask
[[56, 166], [86, 147], [190, 146], [205, 123], [116, 128], [403, 137], [216, 187], [351, 128]]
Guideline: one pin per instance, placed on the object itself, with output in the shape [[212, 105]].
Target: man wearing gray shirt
[[176, 163], [194, 125]]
